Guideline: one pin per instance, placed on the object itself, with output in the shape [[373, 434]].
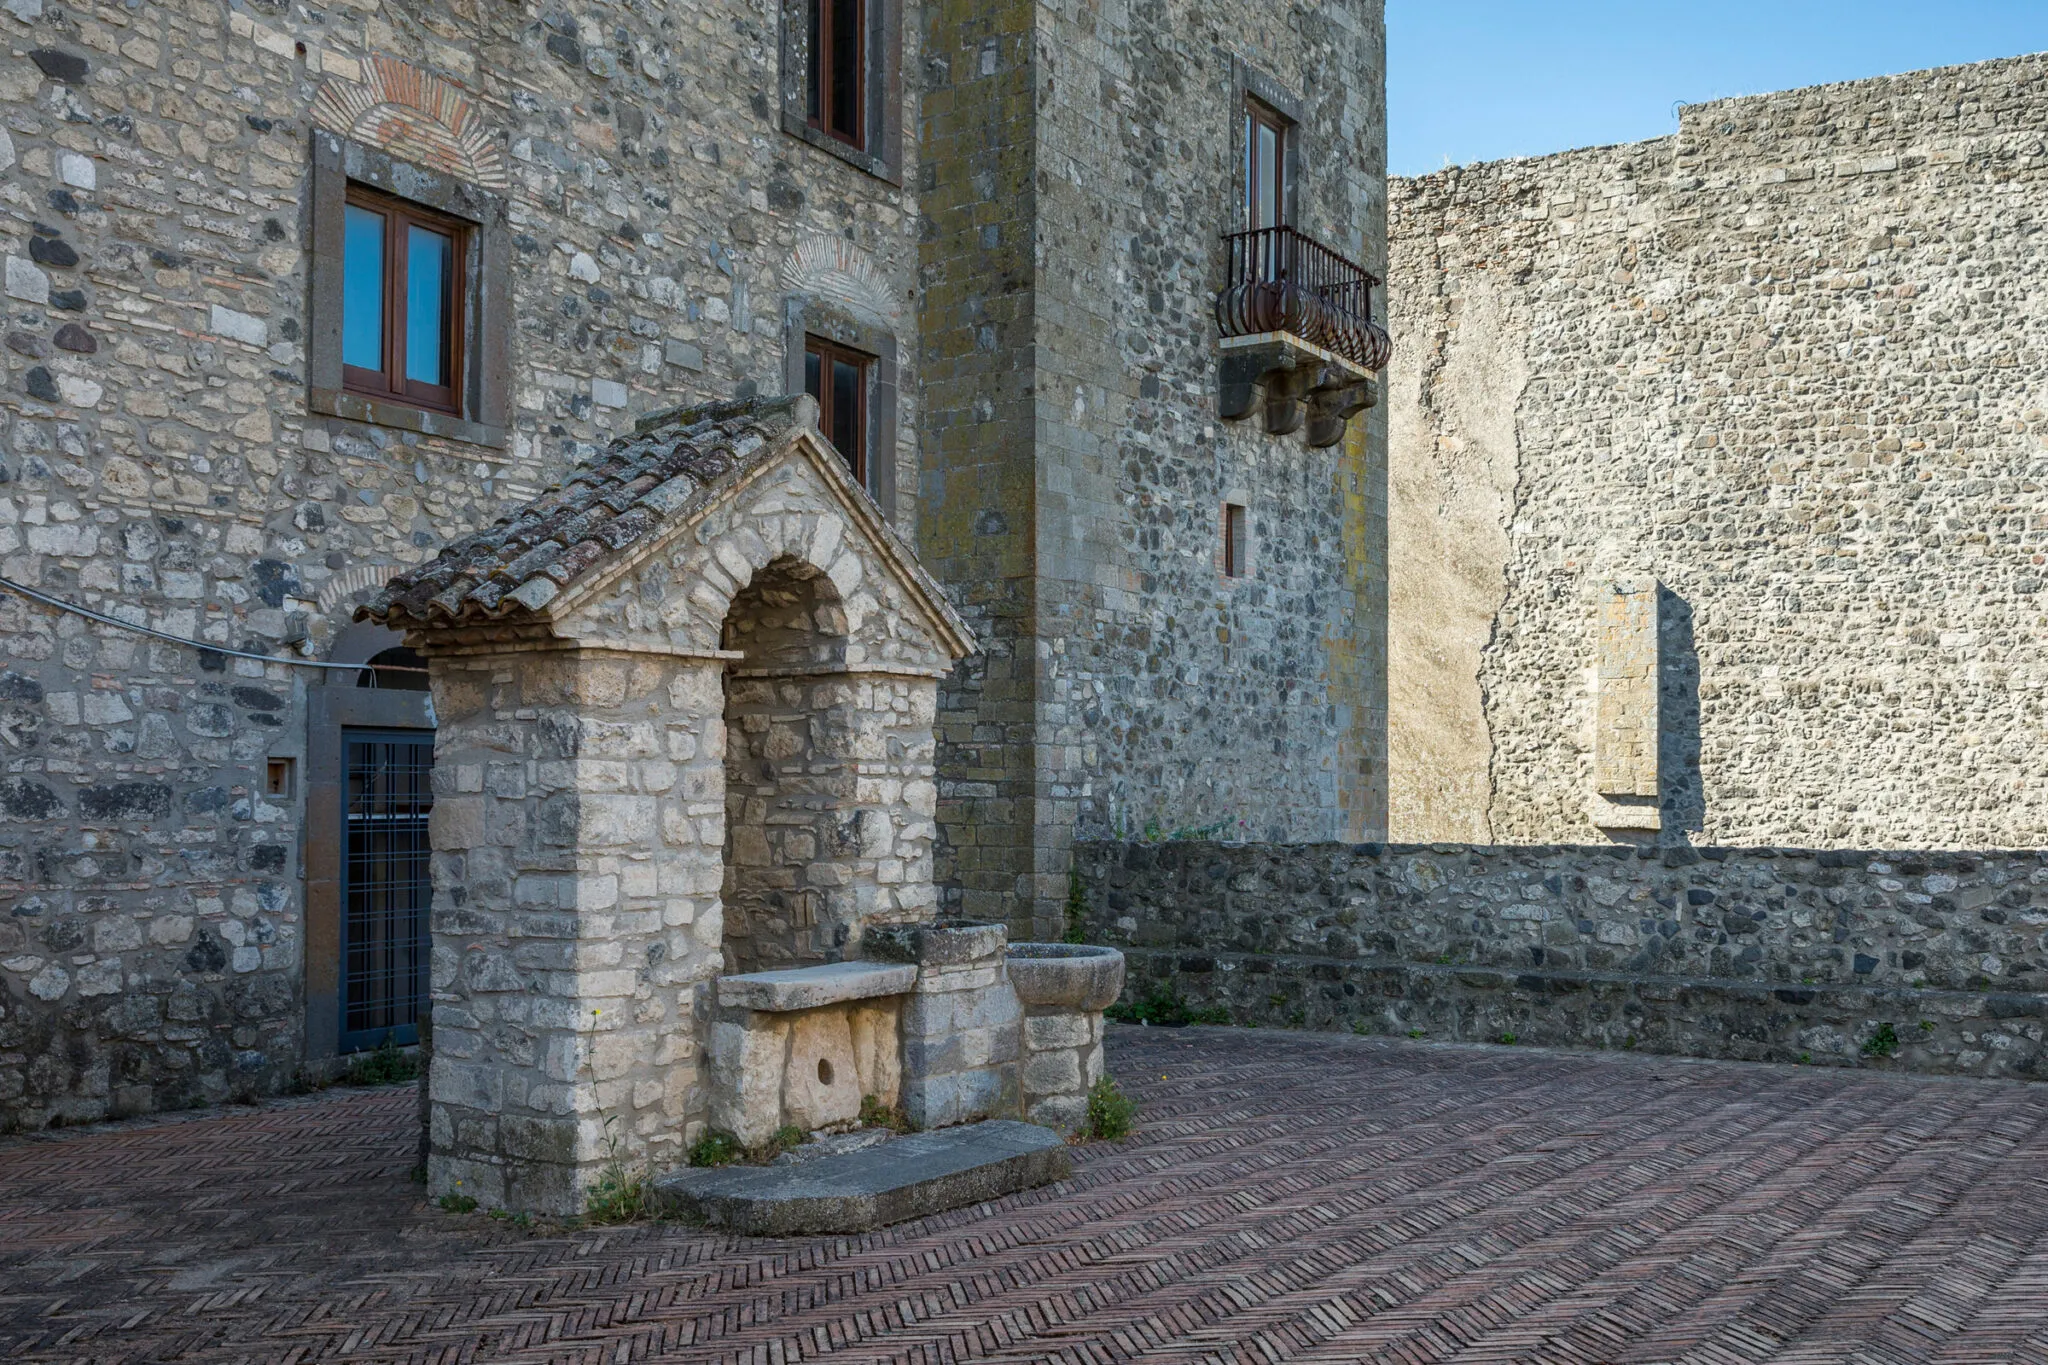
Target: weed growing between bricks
[[622, 1195], [1110, 1112]]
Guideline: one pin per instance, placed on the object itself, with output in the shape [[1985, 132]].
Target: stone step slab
[[915, 1175]]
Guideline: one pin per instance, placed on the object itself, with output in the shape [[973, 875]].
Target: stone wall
[[1785, 364], [829, 804], [1081, 174], [577, 844], [1773, 954], [158, 459]]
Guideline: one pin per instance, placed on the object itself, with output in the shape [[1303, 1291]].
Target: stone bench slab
[[808, 988], [916, 1175]]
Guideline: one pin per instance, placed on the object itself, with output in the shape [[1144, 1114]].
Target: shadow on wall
[[1680, 792]]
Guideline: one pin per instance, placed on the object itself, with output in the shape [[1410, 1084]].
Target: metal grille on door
[[386, 885]]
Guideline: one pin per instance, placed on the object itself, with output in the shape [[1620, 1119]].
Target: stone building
[[296, 298], [1717, 473]]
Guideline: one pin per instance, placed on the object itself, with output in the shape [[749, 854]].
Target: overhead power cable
[[36, 595]]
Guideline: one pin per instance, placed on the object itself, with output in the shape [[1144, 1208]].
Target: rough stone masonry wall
[[157, 459], [978, 494], [829, 803], [1172, 693], [1772, 954], [578, 836], [1788, 363], [1081, 177]]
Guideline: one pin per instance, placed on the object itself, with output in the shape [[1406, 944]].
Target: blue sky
[[1475, 80]]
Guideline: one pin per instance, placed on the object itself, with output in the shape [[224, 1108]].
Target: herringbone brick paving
[[1289, 1197]]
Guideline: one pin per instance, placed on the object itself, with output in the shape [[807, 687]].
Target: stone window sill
[[874, 165], [358, 408]]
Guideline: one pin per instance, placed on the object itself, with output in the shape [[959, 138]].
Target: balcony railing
[[1283, 281]]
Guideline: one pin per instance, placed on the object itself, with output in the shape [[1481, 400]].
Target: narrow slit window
[[836, 101], [1234, 541], [838, 379], [403, 293]]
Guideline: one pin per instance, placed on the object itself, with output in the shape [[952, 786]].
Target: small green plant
[[714, 1149], [1154, 832], [1165, 1007], [1927, 1026], [787, 1138], [458, 1203], [1628, 1044], [1360, 1027], [1882, 1043], [1806, 1059], [620, 1195], [1077, 906], [1508, 1038], [875, 1114], [1415, 1033], [1109, 1111], [521, 1220], [387, 1065], [1297, 1019]]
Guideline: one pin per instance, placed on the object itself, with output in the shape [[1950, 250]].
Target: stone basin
[[1077, 976]]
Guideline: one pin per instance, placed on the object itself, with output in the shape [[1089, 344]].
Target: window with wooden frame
[[837, 97], [1266, 134], [838, 378], [404, 293], [1235, 540]]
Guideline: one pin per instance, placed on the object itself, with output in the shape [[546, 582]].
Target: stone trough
[[954, 1025]]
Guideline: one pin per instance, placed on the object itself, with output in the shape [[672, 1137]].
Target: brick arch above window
[[417, 117], [835, 270]]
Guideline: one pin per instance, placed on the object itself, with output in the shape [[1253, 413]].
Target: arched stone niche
[[704, 643]]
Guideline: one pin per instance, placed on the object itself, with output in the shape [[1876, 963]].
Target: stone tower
[[1082, 164]]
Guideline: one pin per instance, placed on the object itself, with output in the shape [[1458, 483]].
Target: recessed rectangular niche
[[1626, 721], [278, 777]]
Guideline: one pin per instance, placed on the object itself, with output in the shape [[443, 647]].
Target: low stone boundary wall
[[1927, 961]]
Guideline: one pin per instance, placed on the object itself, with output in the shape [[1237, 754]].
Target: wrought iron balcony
[[1296, 318]]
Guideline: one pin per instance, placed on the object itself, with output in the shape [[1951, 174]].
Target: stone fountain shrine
[[682, 847]]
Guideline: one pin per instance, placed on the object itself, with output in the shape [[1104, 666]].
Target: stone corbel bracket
[[1300, 383]]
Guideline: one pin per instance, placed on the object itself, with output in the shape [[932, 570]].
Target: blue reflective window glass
[[362, 289], [429, 258]]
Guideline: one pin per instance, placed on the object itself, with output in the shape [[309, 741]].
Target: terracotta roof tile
[[598, 511]]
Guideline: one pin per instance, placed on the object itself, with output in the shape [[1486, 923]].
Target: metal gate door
[[385, 885]]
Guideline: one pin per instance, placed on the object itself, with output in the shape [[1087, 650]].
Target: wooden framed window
[[1235, 541], [838, 378], [837, 97], [1266, 134], [404, 293]]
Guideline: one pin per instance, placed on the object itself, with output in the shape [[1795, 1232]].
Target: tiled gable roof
[[514, 567]]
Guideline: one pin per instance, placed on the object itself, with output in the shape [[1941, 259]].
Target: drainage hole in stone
[[824, 1072]]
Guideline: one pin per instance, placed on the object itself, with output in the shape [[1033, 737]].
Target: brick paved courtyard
[[1291, 1197]]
